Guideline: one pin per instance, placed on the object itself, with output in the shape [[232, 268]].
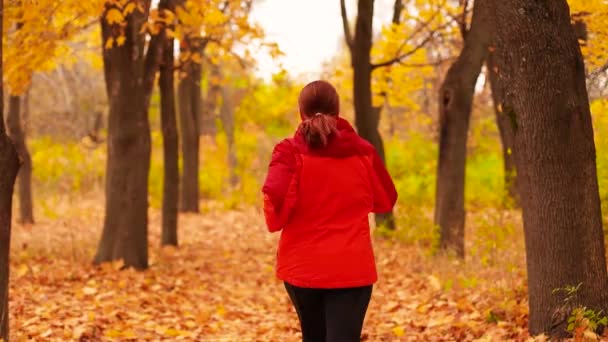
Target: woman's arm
[[280, 186], [385, 194]]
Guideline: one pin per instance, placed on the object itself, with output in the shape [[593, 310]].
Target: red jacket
[[320, 199]]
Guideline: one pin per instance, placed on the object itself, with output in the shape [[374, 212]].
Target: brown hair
[[319, 108]]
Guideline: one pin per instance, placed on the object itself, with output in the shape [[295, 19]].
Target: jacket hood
[[344, 143]]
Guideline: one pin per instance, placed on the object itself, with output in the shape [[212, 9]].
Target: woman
[[320, 188]]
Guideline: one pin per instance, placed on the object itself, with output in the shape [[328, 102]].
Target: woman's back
[[325, 242]]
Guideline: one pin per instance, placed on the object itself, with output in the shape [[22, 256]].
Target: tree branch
[[348, 36], [401, 56]]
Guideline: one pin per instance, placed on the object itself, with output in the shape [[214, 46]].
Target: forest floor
[[219, 285]]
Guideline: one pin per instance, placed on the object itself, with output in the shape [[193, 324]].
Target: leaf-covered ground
[[220, 286]]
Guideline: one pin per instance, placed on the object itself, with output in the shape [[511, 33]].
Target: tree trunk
[[10, 166], [190, 101], [455, 103], [227, 118], [8, 172], [367, 118], [208, 114], [506, 130], [170, 147], [125, 231], [17, 135], [555, 160]]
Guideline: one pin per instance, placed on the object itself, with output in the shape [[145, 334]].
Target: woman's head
[[319, 104]]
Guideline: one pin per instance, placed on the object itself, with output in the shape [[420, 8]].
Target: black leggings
[[330, 315]]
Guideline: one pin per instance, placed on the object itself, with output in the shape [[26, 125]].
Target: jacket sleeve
[[385, 194], [280, 186]]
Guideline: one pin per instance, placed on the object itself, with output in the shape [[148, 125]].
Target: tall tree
[[227, 118], [170, 139], [125, 231], [540, 59], [16, 131], [367, 118], [455, 103], [190, 103], [8, 172], [220, 22]]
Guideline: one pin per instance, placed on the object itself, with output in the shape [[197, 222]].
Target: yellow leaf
[[109, 43], [154, 15], [22, 270], [220, 310], [175, 333], [120, 41], [169, 16], [434, 282], [113, 333], [398, 331], [196, 58], [144, 28], [170, 33], [89, 290], [114, 16], [154, 29], [129, 9]]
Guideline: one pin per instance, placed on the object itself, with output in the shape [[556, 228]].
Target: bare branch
[[348, 36], [405, 55], [400, 56], [429, 64]]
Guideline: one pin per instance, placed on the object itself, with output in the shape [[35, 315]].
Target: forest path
[[219, 285]]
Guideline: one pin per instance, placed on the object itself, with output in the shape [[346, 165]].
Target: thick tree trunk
[[540, 59], [367, 118], [170, 147], [17, 135], [9, 162], [190, 101], [506, 130], [455, 103], [125, 231]]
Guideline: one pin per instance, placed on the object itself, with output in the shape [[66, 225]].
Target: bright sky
[[309, 32]]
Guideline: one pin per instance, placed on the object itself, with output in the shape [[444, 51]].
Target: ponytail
[[317, 129]]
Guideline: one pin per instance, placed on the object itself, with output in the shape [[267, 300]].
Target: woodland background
[[132, 118]]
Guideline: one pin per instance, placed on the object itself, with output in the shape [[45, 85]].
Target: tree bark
[[16, 132], [367, 118], [455, 103], [170, 146], [227, 118], [208, 114], [125, 231], [506, 130], [555, 160], [190, 101], [9, 160]]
